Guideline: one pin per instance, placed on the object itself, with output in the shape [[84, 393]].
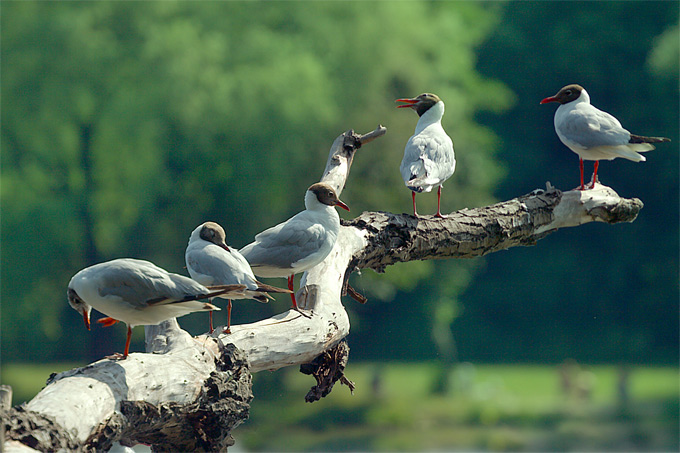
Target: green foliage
[[595, 292], [127, 124]]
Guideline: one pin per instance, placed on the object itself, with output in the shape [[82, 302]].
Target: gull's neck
[[433, 115]]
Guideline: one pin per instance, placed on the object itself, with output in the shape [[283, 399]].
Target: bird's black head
[[213, 232], [566, 94], [421, 103], [326, 195]]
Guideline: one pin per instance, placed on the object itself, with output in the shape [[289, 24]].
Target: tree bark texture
[[188, 393]]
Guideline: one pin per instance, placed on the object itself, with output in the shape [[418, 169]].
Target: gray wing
[[141, 283], [222, 267], [285, 244], [590, 128]]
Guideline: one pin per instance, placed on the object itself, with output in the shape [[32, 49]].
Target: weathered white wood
[[582, 206], [82, 398], [292, 338]]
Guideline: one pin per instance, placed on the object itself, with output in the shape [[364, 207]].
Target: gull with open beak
[[594, 134], [429, 159], [138, 292], [211, 261], [299, 243]]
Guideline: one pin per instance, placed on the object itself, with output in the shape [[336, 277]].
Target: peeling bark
[[327, 369], [470, 233]]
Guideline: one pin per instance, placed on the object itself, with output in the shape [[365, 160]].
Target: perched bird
[[211, 262], [299, 243], [429, 159], [138, 292], [594, 134]]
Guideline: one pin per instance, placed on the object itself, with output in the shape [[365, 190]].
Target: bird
[[211, 262], [429, 159], [138, 292], [299, 243], [594, 134]]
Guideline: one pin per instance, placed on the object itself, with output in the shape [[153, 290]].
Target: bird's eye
[[568, 92]]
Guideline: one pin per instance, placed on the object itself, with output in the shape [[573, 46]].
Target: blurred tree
[[127, 124], [593, 293]]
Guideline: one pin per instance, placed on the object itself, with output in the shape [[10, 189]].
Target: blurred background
[[127, 124]]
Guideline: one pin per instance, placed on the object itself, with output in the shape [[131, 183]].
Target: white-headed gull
[[299, 243], [211, 262], [429, 159], [138, 292], [592, 133]]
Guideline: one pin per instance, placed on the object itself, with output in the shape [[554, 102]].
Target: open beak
[[409, 103], [342, 205], [550, 99]]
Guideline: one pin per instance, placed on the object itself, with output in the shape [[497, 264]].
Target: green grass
[[485, 408], [28, 379]]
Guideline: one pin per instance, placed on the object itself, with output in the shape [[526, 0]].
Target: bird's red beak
[[409, 103], [224, 246], [342, 205], [86, 318], [550, 99]]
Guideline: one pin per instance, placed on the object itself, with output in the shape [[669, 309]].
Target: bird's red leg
[[127, 342], [292, 294], [414, 204], [211, 321], [439, 199], [292, 297], [592, 183], [228, 329], [580, 163], [117, 355]]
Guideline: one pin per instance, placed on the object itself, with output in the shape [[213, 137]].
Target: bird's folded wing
[[592, 128], [220, 270], [288, 244]]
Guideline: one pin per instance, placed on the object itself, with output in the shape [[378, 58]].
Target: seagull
[[429, 159], [594, 134], [299, 243], [211, 262], [138, 292]]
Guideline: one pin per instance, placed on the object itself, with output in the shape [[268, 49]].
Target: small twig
[[378, 132], [356, 295]]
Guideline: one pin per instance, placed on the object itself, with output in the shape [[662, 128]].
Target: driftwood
[[188, 393]]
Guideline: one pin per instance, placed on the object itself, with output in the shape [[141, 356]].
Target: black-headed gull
[[594, 134], [138, 292], [211, 262], [299, 243], [429, 159]]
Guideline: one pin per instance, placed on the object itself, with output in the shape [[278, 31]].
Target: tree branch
[[470, 233], [195, 390]]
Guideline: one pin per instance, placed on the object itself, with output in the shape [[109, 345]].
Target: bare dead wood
[[328, 368], [471, 233], [180, 384]]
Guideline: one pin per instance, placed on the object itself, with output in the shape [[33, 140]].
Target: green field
[[411, 407], [396, 407]]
